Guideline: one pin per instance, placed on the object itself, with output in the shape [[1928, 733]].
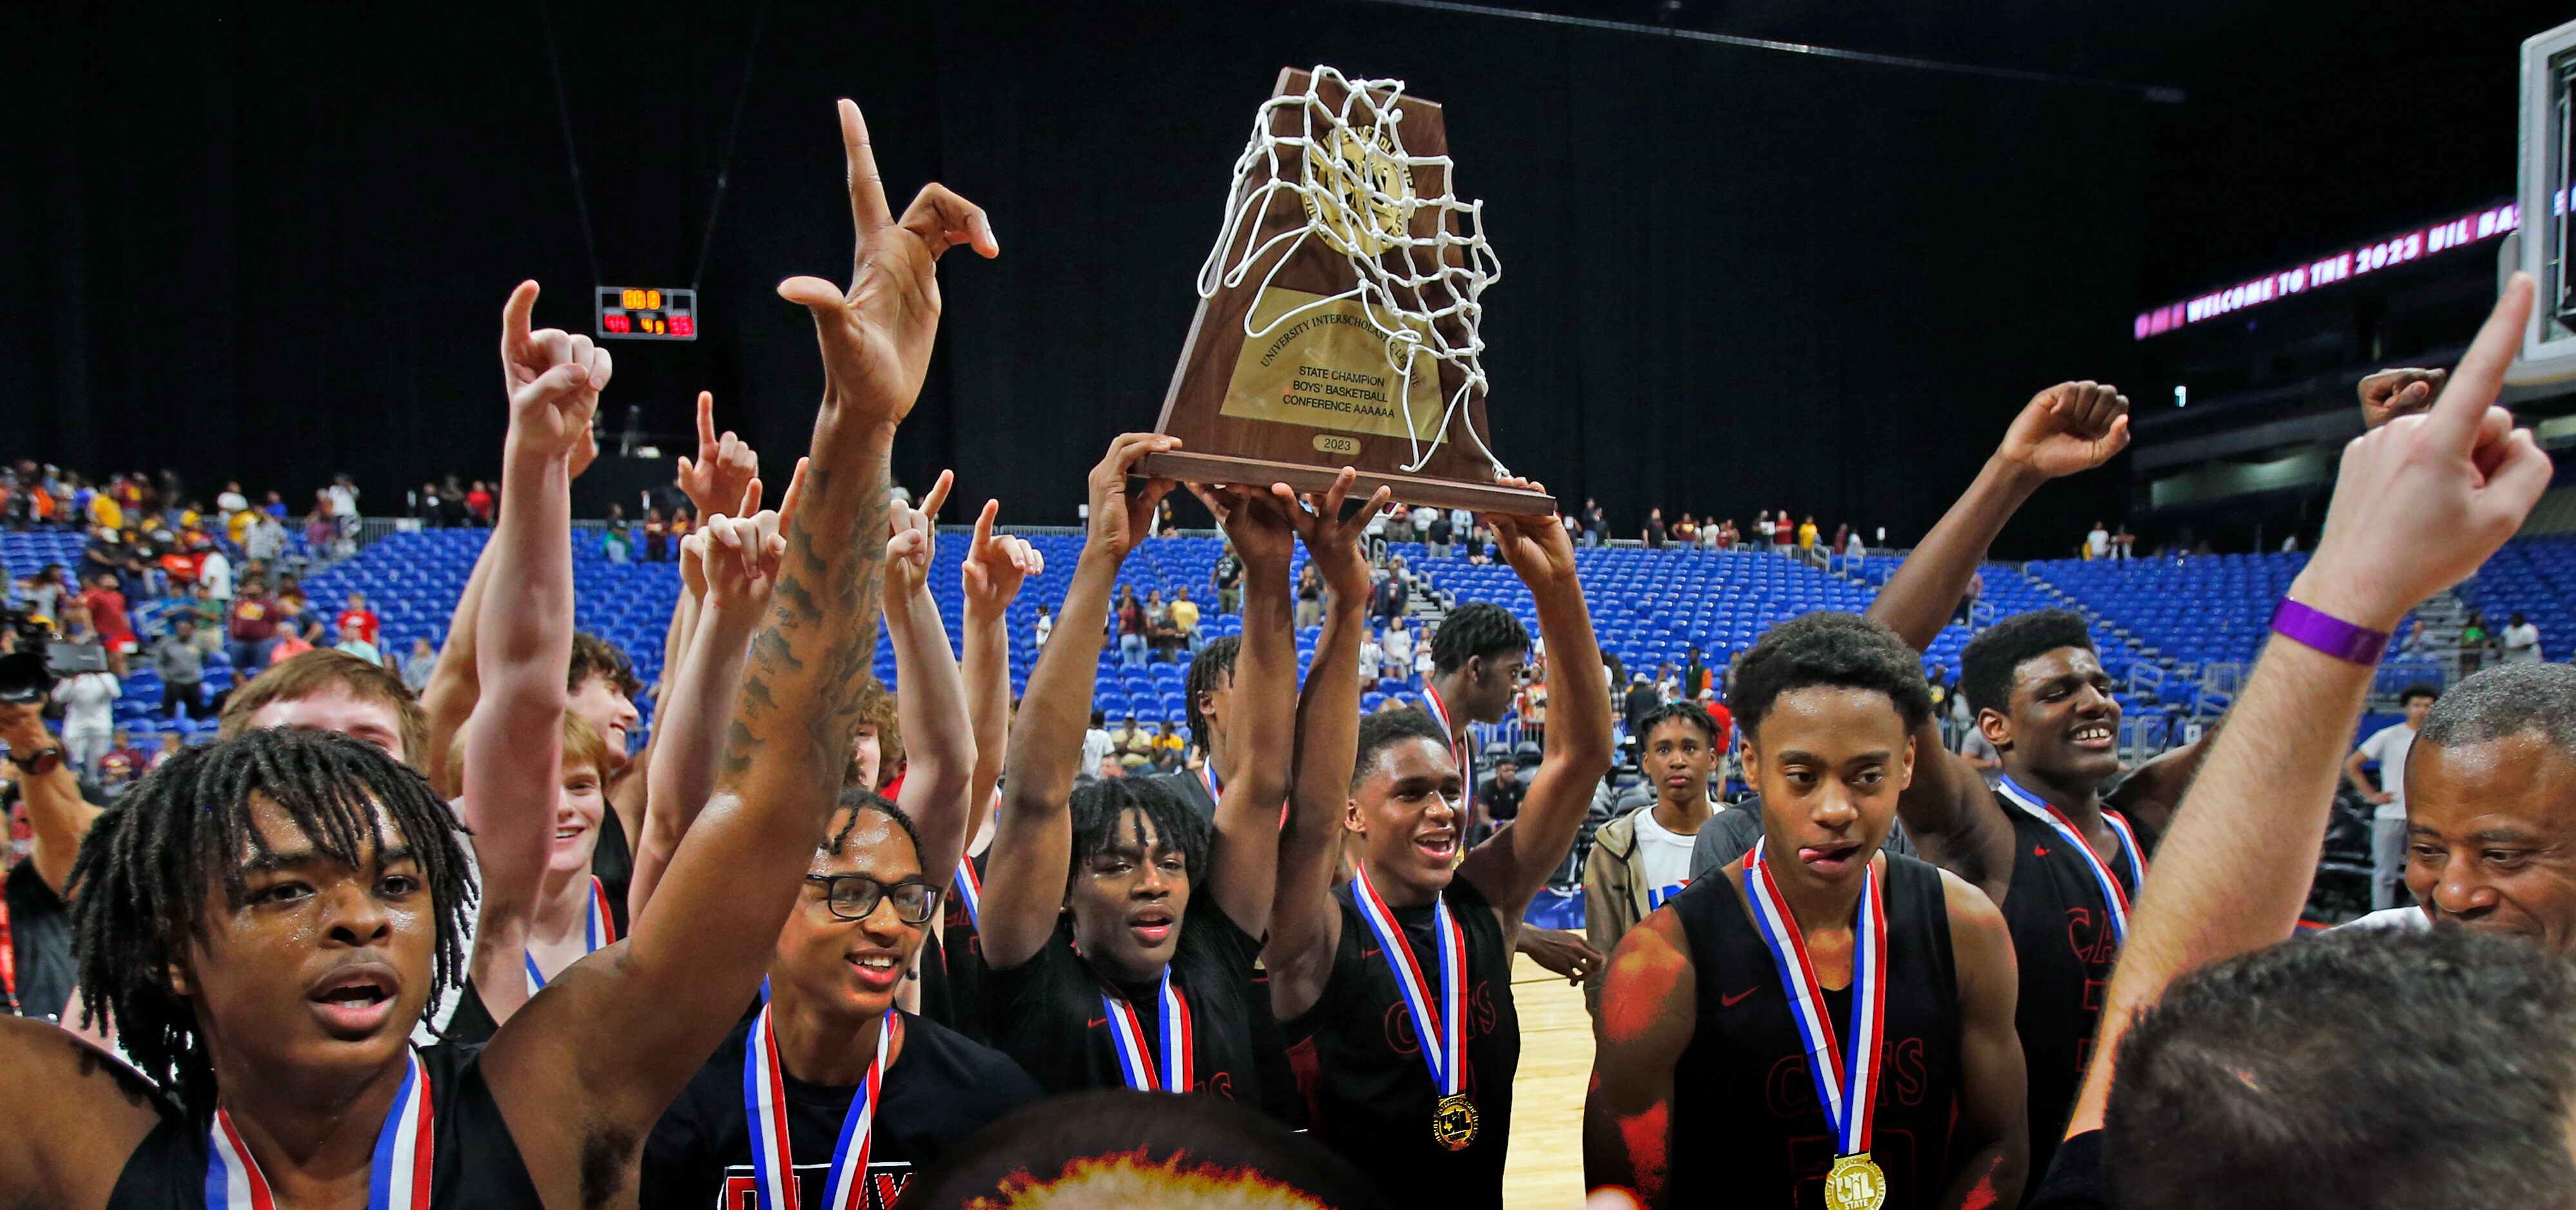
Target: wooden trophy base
[[1409, 490]]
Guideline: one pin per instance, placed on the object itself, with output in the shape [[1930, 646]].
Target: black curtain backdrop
[[271, 242]]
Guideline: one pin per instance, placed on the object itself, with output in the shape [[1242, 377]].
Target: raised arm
[[514, 740], [454, 684], [930, 705], [2418, 505], [996, 566], [1650, 1010], [1948, 810], [1244, 856], [1510, 868], [698, 687], [584, 1071], [1033, 840], [1305, 924], [1993, 1131], [57, 815]]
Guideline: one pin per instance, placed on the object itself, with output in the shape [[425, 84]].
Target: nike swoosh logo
[[1727, 1001]]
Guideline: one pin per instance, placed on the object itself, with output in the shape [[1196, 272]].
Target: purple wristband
[[2329, 634]]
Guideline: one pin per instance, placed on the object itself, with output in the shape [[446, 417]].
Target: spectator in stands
[[359, 647], [171, 745], [1130, 620], [106, 608], [1185, 620], [41, 595], [480, 504], [1596, 524], [1135, 745], [1097, 749], [2418, 640], [2123, 544], [321, 533], [2474, 642], [1399, 524], [1227, 577], [230, 503], [2521, 640], [1784, 534], [1440, 535], [122, 763], [181, 665], [89, 723], [657, 536], [294, 638], [1654, 534], [2097, 543], [1397, 645], [1686, 531], [1310, 598], [1531, 702], [1641, 701], [1854, 551], [1807, 534], [1500, 792], [265, 543], [1391, 593], [416, 671], [1372, 660], [616, 542], [1423, 665], [2388, 747], [1045, 627], [1968, 602], [1169, 747], [356, 621], [214, 571], [1423, 516]]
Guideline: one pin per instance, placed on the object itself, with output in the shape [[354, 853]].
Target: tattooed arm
[[582, 1076]]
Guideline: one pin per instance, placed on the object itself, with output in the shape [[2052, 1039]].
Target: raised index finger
[[984, 527], [938, 496], [706, 419], [867, 189], [515, 314], [2455, 416]]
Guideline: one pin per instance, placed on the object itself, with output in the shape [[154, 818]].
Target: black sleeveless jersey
[[1047, 1015], [1746, 1126], [2062, 940], [474, 1163], [1359, 1060]]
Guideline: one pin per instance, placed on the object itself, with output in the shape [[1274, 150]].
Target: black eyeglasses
[[853, 896]]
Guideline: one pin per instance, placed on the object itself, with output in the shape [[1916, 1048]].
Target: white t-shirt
[[1370, 656], [1095, 749], [1399, 646], [1046, 626], [2098, 542], [89, 703], [1423, 517], [217, 575], [2408, 919], [2389, 746], [344, 500], [230, 503], [1422, 665], [2522, 644], [1665, 856]]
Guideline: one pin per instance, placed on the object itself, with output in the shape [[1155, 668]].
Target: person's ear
[[1905, 763], [1997, 728], [1353, 820]]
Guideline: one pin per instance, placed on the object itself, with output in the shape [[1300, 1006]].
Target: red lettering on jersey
[[1905, 1063], [740, 1193], [2090, 938], [886, 1188]]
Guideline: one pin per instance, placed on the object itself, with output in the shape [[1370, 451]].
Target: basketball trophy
[[1339, 312]]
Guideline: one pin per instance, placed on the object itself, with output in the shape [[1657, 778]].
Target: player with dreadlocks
[[300, 991], [1210, 708], [1122, 935]]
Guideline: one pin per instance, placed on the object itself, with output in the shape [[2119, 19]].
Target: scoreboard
[[647, 313]]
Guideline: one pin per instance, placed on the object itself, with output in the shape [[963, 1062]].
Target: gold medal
[[1453, 1123], [1855, 1183]]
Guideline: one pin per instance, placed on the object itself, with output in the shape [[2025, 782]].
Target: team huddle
[[464, 951]]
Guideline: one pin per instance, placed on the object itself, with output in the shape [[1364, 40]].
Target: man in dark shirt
[[1640, 702], [58, 807], [1228, 577], [1119, 933]]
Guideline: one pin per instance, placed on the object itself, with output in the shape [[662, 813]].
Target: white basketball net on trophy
[[1335, 166]]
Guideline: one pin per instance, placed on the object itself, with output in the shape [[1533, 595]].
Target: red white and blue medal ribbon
[[764, 1103], [1440, 1024], [1215, 784], [1458, 749], [970, 892], [1180, 1041], [598, 931], [2114, 897], [1846, 1078], [399, 1176]]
